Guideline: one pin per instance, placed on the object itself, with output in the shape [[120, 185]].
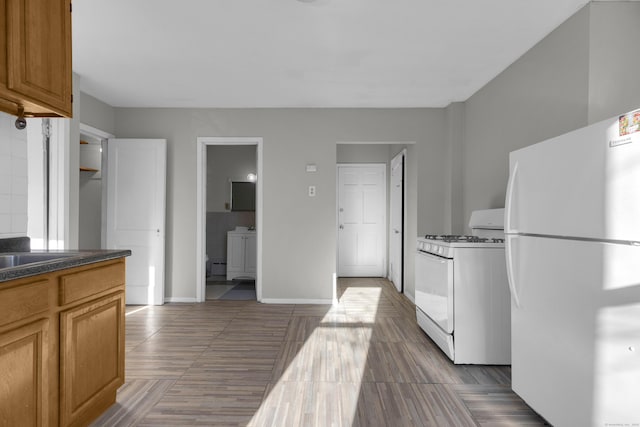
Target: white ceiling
[[292, 53]]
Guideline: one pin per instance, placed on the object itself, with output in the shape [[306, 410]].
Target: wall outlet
[[312, 191]]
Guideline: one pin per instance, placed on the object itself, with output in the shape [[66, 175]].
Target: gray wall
[[299, 232], [453, 160], [363, 153], [582, 72], [614, 63], [97, 114]]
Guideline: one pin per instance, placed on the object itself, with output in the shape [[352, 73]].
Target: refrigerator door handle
[[510, 275], [509, 201]]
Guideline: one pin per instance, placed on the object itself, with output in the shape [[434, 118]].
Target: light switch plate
[[312, 191]]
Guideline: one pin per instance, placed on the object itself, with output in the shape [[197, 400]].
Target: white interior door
[[362, 220], [135, 220], [396, 221]]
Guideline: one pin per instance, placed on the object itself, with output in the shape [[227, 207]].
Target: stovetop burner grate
[[453, 238]]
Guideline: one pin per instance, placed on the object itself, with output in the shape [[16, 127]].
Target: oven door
[[434, 288]]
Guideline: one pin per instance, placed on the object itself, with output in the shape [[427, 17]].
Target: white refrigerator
[[572, 225]]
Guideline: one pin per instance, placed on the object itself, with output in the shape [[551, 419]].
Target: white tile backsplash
[[5, 203], [13, 178], [5, 187], [5, 223]]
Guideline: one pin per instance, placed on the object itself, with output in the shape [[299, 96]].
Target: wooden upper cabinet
[[35, 58]]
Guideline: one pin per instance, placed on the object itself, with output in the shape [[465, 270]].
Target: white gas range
[[462, 292]]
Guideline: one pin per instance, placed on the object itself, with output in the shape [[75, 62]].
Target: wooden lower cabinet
[[24, 358], [62, 345], [91, 362]]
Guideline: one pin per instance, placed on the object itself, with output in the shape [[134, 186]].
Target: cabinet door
[[250, 255], [91, 358], [23, 381], [38, 53], [235, 252]]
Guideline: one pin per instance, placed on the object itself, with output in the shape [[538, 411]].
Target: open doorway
[[91, 195], [229, 206], [393, 157], [230, 223]]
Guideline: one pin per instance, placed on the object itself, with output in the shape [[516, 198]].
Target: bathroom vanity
[[241, 254]]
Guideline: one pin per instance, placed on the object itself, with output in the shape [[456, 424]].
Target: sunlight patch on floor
[[323, 379], [144, 307]]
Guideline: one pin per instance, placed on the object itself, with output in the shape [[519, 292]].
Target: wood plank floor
[[362, 362]]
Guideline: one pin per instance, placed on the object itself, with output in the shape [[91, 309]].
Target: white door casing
[[396, 221], [135, 220], [361, 215]]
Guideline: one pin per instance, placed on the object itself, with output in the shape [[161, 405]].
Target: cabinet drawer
[[24, 300], [76, 286]]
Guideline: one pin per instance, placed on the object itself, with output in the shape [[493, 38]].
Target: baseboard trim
[[411, 298], [327, 301], [179, 299]]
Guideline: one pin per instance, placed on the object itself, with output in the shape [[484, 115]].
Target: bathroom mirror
[[243, 196]]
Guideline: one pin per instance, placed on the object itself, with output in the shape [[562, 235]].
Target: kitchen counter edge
[[76, 259]]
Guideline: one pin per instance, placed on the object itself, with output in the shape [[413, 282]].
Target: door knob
[[341, 227]]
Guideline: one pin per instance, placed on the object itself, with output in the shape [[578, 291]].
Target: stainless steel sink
[[15, 260]]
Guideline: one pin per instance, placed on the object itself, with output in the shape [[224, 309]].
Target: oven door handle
[[432, 257]]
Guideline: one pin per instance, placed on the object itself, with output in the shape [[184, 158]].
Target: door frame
[[201, 207], [385, 209], [402, 153]]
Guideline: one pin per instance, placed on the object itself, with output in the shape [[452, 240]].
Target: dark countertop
[[68, 259]]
